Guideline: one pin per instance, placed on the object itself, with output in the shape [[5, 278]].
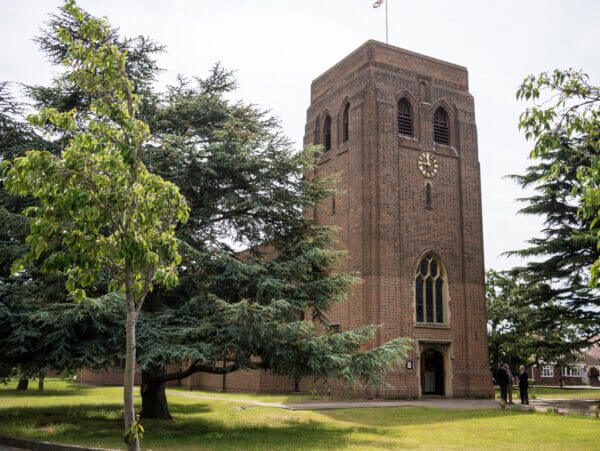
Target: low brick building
[[399, 128], [575, 374]]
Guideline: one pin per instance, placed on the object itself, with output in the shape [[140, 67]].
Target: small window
[[332, 205], [346, 123], [335, 328], [441, 129], [405, 120], [547, 371], [428, 196], [327, 134], [572, 371]]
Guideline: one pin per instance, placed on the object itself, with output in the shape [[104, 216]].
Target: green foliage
[[38, 333], [509, 338], [135, 430], [99, 208], [516, 331], [72, 335], [566, 111], [557, 275]]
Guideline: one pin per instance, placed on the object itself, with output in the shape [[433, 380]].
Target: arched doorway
[[432, 372]]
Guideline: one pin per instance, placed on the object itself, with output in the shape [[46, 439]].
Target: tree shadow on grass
[[101, 425], [71, 389]]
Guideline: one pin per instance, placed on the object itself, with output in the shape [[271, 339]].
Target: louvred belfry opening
[[405, 119], [441, 131]]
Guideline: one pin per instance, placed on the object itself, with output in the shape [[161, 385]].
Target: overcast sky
[[277, 47]]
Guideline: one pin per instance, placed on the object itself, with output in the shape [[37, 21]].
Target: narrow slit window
[[428, 196], [346, 123], [405, 119], [441, 129], [333, 205], [327, 134]]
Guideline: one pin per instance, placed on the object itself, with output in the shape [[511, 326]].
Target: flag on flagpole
[[377, 4]]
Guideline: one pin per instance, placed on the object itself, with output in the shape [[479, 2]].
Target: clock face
[[428, 164]]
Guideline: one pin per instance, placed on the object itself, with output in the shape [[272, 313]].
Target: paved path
[[566, 406], [579, 406], [328, 404], [568, 387]]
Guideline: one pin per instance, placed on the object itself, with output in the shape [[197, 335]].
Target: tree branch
[[196, 368]]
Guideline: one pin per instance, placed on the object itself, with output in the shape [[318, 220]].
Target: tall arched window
[[327, 134], [405, 120], [346, 123], [441, 128], [429, 290]]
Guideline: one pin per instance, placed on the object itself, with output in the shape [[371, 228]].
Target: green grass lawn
[[556, 393], [69, 413]]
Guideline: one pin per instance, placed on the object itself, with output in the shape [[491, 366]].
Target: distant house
[[592, 359], [574, 374]]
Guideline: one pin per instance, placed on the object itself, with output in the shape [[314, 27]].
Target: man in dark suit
[[502, 378], [523, 385]]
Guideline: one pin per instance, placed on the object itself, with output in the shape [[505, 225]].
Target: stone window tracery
[[430, 291]]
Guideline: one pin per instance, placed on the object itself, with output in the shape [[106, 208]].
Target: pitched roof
[[592, 356]]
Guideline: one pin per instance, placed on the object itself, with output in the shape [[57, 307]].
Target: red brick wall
[[104, 377]]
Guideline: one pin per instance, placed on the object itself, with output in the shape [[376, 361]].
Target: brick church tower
[[399, 129]]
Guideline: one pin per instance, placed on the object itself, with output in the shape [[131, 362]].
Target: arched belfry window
[[346, 123], [441, 127], [327, 134], [430, 280], [405, 118]]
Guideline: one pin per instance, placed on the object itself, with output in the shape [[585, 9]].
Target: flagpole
[[386, 23]]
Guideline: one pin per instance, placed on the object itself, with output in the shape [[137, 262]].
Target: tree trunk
[[154, 398], [41, 378], [133, 443], [23, 384]]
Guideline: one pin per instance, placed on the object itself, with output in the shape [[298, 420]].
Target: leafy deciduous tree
[[100, 209]]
